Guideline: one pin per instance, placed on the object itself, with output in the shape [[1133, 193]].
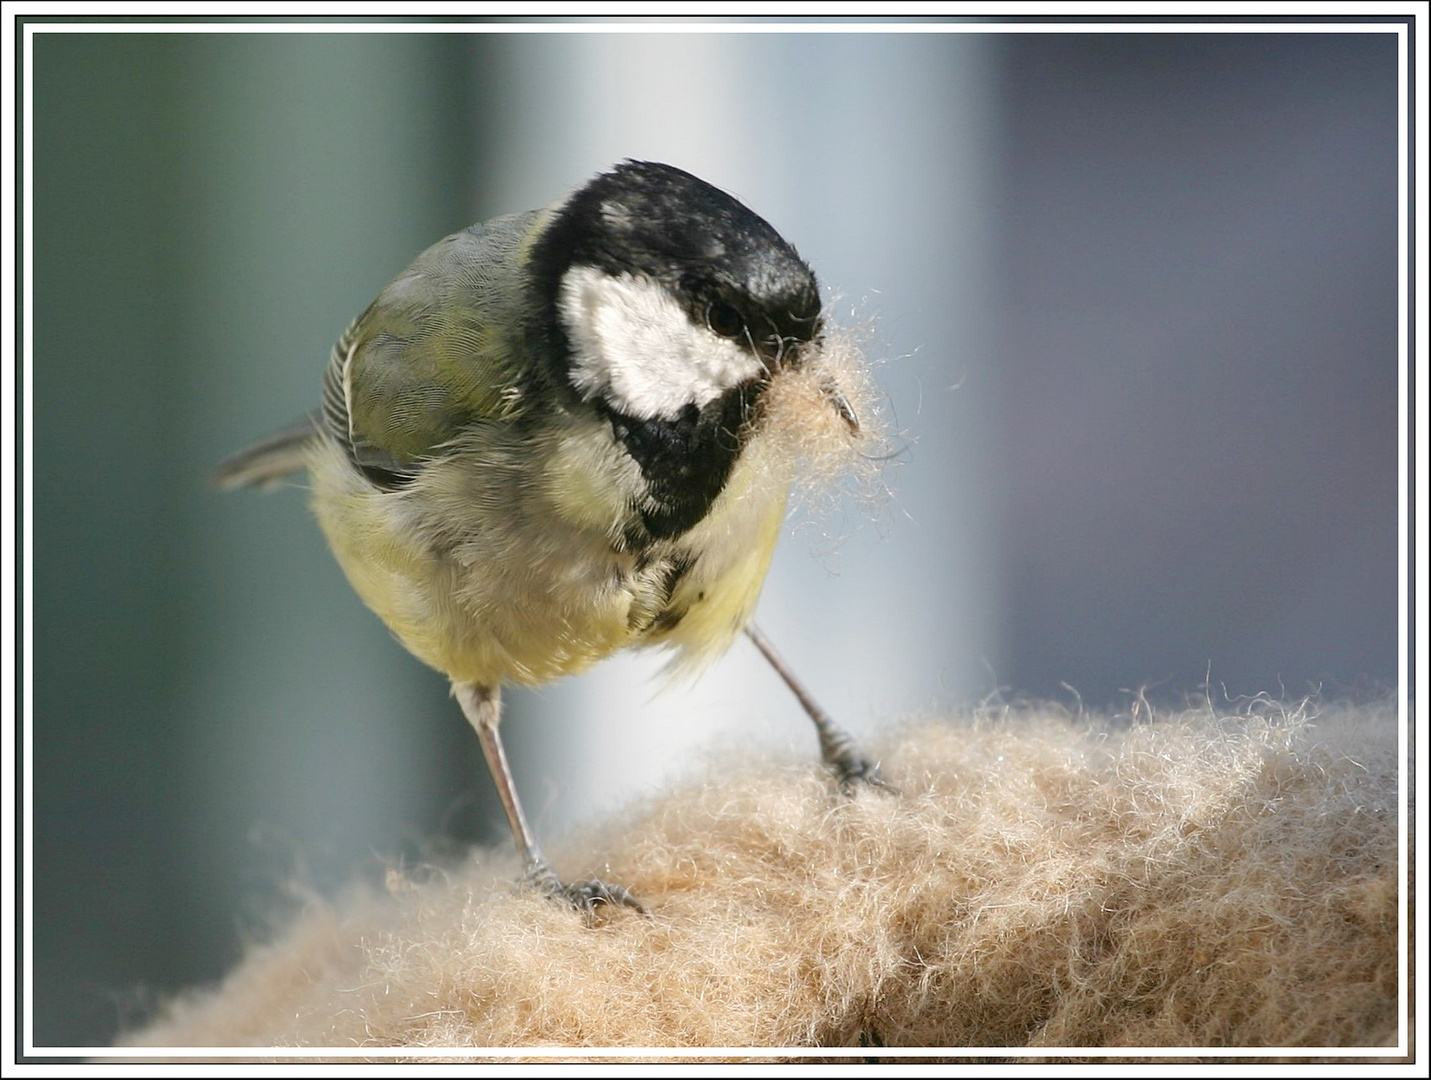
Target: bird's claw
[[585, 896], [854, 769]]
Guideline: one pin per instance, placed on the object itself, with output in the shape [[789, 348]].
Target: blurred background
[[1134, 299]]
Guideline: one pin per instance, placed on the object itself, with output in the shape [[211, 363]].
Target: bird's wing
[[439, 350]]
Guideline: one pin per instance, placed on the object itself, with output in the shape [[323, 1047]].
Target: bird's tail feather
[[265, 463]]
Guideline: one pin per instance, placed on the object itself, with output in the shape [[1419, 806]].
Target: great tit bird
[[570, 431]]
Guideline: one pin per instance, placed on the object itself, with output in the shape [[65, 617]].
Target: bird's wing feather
[[438, 351]]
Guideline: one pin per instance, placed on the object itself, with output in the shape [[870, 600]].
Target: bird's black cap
[[703, 245]]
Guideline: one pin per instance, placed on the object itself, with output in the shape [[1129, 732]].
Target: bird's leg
[[482, 705], [837, 746]]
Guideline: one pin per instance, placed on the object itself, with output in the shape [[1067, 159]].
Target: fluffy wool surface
[[1201, 879]]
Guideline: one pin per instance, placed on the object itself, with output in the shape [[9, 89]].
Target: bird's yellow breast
[[736, 540], [505, 564]]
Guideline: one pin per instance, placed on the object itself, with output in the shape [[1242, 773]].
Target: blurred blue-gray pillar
[[872, 154], [215, 713], [317, 166]]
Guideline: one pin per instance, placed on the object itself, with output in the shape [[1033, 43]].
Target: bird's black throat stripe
[[687, 460]]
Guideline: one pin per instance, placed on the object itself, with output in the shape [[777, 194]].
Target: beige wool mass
[[1212, 878]]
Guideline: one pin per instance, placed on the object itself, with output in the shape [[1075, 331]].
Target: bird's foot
[[585, 896], [852, 769], [843, 757]]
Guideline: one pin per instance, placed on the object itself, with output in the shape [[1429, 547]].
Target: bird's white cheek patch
[[633, 345]]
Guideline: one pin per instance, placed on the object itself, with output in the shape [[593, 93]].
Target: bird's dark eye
[[724, 319]]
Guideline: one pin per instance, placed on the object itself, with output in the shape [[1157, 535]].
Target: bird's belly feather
[[531, 591]]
